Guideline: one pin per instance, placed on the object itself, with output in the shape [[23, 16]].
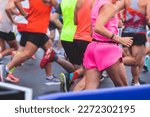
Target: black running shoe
[[140, 82], [65, 82], [145, 68]]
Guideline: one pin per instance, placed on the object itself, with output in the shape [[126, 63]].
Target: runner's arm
[[55, 16], [20, 8], [77, 8], [55, 3], [148, 12], [10, 10]]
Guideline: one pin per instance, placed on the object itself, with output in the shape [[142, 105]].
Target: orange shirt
[[21, 27], [39, 16], [84, 22]]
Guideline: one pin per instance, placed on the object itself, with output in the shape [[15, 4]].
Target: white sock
[[50, 77]]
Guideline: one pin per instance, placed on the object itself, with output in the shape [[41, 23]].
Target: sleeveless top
[[135, 21], [68, 29], [39, 16], [83, 31], [5, 23], [111, 25]]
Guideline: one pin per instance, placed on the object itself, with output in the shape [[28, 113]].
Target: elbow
[[97, 29], [8, 10]]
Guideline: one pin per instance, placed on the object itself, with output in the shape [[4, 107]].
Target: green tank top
[[68, 29]]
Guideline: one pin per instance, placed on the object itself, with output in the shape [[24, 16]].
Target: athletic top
[[112, 25], [68, 28], [83, 31], [39, 16], [135, 21], [5, 23]]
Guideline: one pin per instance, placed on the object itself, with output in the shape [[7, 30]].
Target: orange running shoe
[[11, 78]]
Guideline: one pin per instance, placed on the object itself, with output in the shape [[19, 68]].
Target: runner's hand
[[126, 41]]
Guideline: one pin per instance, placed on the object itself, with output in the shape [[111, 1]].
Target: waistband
[[95, 40]]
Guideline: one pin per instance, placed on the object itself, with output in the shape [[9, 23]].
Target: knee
[[27, 54], [135, 64]]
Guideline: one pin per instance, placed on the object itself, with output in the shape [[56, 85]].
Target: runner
[[82, 38], [66, 36], [38, 18], [137, 16], [6, 34], [104, 53]]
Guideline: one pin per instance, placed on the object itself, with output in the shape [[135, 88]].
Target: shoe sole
[[63, 80], [12, 80], [50, 83]]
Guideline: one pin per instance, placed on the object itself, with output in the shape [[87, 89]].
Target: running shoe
[[65, 82], [3, 73], [52, 81], [33, 57], [140, 82], [48, 57], [145, 68], [11, 78]]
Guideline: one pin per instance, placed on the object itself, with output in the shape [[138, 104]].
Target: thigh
[[138, 52], [2, 45], [13, 44], [126, 51], [52, 34], [117, 73], [47, 45], [92, 79], [30, 48]]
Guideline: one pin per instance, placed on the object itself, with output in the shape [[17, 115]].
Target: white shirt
[[5, 24]]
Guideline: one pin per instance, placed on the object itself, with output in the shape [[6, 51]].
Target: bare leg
[[138, 52], [48, 67], [148, 50], [6, 52], [117, 74], [2, 45], [92, 79], [80, 85], [28, 51], [66, 64], [13, 44]]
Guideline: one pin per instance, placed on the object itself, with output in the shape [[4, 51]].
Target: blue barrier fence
[[120, 93]]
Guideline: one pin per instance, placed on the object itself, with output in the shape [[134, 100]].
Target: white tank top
[[5, 23]]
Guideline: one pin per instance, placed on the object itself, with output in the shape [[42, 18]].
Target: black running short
[[7, 36], [69, 50], [38, 39], [138, 39], [79, 50]]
